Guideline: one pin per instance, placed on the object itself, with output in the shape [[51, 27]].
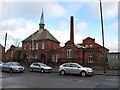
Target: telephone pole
[[5, 40], [102, 35]]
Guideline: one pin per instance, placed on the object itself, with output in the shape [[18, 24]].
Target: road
[[54, 80]]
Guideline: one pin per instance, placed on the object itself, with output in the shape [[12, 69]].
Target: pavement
[[100, 72]]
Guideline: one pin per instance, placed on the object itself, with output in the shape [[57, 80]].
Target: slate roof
[[41, 35]]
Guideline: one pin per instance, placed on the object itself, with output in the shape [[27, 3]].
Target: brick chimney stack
[[72, 29]]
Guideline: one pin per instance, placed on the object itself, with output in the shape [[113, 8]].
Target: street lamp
[[102, 33]]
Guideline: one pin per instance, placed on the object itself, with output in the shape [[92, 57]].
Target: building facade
[[40, 46], [43, 47], [88, 53], [114, 60], [2, 51], [13, 54], [94, 54]]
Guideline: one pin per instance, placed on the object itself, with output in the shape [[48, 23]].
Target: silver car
[[75, 68], [37, 66], [12, 67], [1, 63]]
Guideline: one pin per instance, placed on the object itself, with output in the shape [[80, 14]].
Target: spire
[[41, 25]]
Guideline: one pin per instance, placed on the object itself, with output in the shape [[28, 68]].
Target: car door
[[36, 67], [75, 69], [67, 68], [5, 67]]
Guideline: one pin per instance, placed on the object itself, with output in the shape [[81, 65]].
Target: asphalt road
[[54, 80]]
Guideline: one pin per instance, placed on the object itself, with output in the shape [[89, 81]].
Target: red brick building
[[88, 53], [40, 46], [71, 52], [13, 54], [93, 53], [2, 51], [44, 47]]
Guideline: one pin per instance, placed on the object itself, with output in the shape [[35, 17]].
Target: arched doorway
[[43, 58]]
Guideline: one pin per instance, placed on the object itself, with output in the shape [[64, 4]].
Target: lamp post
[[102, 34]]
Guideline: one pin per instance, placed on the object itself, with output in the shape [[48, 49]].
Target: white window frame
[[69, 53], [24, 46], [11, 54], [56, 58], [90, 58], [53, 58], [43, 45], [36, 45], [30, 46]]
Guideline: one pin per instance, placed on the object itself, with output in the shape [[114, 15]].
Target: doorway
[[43, 58]]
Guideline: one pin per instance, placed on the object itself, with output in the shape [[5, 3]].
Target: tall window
[[90, 58], [36, 45], [11, 54], [56, 58], [53, 58], [69, 53], [33, 46], [24, 46], [30, 46], [43, 45]]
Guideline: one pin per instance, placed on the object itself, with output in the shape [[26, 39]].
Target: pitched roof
[[40, 35]]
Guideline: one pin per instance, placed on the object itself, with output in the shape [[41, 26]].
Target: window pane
[[43, 46]]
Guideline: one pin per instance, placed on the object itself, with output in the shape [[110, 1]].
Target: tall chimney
[[72, 29]]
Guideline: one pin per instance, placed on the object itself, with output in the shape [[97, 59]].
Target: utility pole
[[5, 40], [102, 35]]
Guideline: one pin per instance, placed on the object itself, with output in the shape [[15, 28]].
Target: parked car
[[37, 66], [12, 67], [75, 68], [1, 63]]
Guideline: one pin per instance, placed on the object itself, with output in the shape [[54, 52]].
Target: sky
[[19, 19]]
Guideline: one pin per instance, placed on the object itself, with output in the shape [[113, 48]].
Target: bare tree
[[17, 42]]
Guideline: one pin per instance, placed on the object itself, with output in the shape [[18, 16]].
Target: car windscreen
[[14, 64], [44, 65]]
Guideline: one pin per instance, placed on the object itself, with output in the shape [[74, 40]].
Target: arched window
[[36, 45], [69, 53], [11, 54], [43, 45], [90, 58], [24, 46]]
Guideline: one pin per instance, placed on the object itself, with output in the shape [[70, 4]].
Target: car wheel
[[11, 70], [83, 73], [42, 70], [62, 72], [31, 70]]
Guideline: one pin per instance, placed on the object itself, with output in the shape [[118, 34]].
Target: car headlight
[[89, 70]]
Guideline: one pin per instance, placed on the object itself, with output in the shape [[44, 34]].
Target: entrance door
[[43, 58]]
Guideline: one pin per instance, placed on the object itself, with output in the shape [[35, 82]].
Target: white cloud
[[31, 10], [55, 10], [81, 26], [112, 46], [16, 29], [63, 37], [110, 9]]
